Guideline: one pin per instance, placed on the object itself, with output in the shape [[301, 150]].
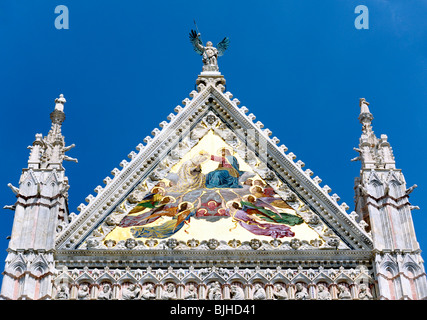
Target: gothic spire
[[374, 153], [49, 152], [382, 202]]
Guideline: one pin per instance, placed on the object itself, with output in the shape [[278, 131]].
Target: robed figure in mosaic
[[227, 174]]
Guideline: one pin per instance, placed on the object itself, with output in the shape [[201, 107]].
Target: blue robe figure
[[227, 174]]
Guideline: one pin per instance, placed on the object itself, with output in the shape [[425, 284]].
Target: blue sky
[[299, 66]]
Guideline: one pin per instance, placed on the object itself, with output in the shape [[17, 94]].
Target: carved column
[[74, 291], [94, 290], [158, 287], [291, 291], [201, 291], [354, 291], [333, 289], [116, 291], [226, 291], [247, 288], [311, 288], [180, 290], [269, 289]]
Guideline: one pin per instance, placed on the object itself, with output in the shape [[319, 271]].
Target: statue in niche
[[237, 293], [214, 291], [63, 292], [259, 292], [301, 292], [365, 292], [148, 293], [131, 292], [83, 293], [279, 292], [323, 293], [344, 293], [170, 293], [191, 293], [106, 292]]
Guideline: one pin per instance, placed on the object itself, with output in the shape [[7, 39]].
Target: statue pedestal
[[206, 77], [210, 74]]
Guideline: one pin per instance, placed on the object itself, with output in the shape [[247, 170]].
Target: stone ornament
[[214, 284]]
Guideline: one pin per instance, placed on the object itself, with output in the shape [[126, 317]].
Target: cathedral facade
[[212, 207]]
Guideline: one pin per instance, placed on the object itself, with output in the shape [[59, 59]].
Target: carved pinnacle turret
[[382, 206], [374, 153], [49, 152]]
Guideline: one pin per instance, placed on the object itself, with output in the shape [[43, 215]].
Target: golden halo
[[262, 182], [172, 199], [230, 203], [245, 197], [251, 189], [189, 205], [159, 188]]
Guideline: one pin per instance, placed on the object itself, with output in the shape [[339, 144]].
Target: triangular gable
[[210, 204], [210, 111]]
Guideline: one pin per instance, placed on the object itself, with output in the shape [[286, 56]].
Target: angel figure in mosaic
[[151, 200], [170, 209], [263, 210], [255, 224], [154, 202], [165, 230]]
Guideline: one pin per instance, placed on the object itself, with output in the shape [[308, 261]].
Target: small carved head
[[172, 243], [130, 243], [255, 244], [213, 244], [210, 119]]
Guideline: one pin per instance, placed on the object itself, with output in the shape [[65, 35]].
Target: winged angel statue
[[209, 53]]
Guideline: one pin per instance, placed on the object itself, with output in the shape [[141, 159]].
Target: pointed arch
[[375, 186]]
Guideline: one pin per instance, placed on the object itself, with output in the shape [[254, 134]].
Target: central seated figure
[[227, 174]]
